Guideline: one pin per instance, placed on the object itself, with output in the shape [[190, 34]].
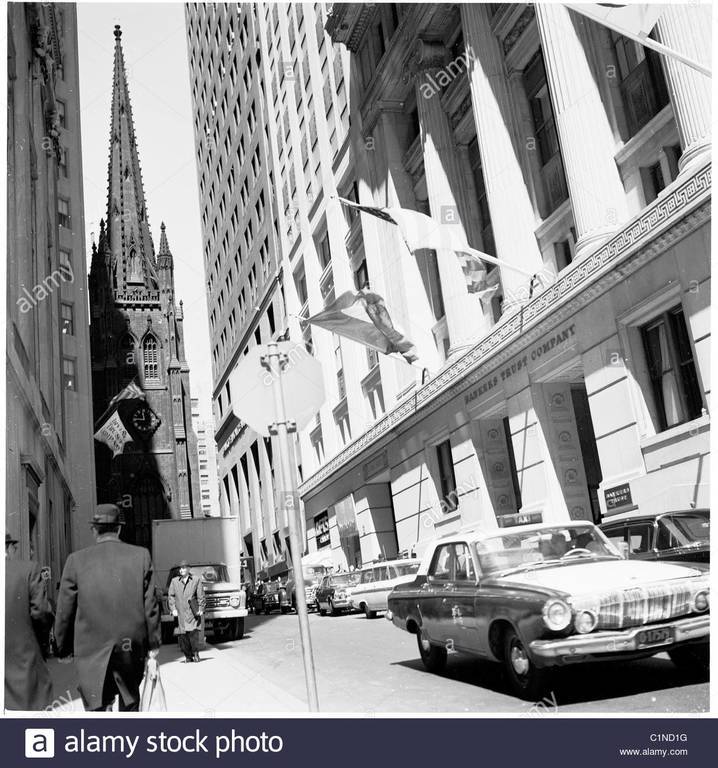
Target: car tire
[[332, 610], [320, 610], [692, 659], [368, 612], [526, 680], [432, 656]]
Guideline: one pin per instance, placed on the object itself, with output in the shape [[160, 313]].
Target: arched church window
[[150, 358], [127, 360], [135, 268]]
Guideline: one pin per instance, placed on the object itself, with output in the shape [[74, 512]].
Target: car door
[[457, 607], [438, 586], [376, 599]]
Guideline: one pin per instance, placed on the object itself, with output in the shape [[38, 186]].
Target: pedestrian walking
[[28, 618], [108, 615], [186, 600]]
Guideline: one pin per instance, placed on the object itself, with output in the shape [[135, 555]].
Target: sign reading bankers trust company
[[551, 344]]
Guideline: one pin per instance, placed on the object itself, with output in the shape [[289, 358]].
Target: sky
[[154, 45]]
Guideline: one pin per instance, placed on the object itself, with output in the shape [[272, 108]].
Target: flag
[[113, 434], [420, 232], [633, 19], [130, 392], [363, 317]]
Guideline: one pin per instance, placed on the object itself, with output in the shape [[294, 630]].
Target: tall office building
[[564, 149], [49, 460], [207, 462], [137, 335]]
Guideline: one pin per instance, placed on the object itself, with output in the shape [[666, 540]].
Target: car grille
[[310, 593], [216, 601], [646, 604]]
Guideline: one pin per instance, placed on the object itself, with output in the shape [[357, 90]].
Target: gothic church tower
[[136, 333]]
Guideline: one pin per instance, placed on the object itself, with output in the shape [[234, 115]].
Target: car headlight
[[234, 600], [341, 595], [585, 622], [556, 614], [701, 601]]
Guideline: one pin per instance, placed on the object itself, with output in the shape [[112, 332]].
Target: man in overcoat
[[28, 618], [186, 600], [108, 615]]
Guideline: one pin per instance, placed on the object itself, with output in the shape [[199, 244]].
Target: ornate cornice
[[661, 224], [426, 56], [347, 22]]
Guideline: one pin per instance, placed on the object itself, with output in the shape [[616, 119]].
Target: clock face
[[144, 420]]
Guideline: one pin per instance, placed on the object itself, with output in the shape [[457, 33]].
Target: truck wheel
[[527, 680], [167, 632], [433, 656], [238, 628], [691, 659]]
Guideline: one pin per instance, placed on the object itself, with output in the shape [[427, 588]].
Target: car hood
[[585, 577]]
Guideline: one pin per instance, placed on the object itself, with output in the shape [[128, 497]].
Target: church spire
[[128, 232]]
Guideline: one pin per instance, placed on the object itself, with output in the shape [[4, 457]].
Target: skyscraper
[[49, 460], [137, 335]]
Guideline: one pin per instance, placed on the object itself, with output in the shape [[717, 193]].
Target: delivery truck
[[211, 545]]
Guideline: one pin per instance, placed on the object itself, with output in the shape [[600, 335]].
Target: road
[[370, 667]]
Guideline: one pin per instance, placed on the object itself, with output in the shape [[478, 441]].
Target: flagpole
[[648, 42]]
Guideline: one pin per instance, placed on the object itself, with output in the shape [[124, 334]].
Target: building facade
[[206, 462], [137, 335], [49, 460], [584, 162]]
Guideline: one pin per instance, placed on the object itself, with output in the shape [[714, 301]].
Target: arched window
[[150, 358], [127, 362]]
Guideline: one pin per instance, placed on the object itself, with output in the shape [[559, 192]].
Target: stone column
[[512, 214], [687, 28], [443, 182], [587, 143]]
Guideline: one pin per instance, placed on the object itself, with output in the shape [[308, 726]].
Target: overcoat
[[107, 611], [188, 600], [28, 616]]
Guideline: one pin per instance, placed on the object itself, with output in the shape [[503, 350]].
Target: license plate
[[650, 637]]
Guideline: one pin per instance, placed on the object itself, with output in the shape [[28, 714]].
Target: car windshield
[[344, 580], [208, 573], [683, 529], [524, 550], [406, 570]]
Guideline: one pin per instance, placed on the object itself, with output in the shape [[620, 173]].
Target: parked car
[[225, 603], [334, 592], [683, 535], [266, 597], [312, 577], [539, 596], [376, 581]]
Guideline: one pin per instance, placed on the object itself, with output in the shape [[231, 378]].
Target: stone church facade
[[137, 335]]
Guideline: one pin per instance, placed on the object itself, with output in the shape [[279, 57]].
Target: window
[[324, 251], [643, 86], [63, 212], [150, 358], [66, 260], [487, 234], [67, 316], [62, 163], [317, 441], [564, 254], [676, 392], [537, 93], [69, 374], [447, 479]]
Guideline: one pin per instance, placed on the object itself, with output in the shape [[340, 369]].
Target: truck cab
[[225, 603]]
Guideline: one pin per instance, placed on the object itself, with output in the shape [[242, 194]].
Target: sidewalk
[[219, 683]]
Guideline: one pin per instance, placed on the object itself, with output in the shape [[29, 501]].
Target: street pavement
[[368, 667]]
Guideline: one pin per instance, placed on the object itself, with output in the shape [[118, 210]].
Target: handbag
[[152, 698]]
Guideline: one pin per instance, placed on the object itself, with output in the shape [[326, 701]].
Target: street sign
[[302, 383]]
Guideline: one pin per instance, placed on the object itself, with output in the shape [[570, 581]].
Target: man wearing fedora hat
[[28, 618], [186, 598], [108, 615]]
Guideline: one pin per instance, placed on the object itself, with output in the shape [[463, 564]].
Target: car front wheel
[[525, 678], [433, 656], [320, 610], [692, 659]]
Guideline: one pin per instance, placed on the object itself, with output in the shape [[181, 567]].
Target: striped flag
[[363, 317], [114, 422]]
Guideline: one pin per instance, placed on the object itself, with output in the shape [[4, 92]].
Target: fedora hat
[[107, 514], [10, 539]]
